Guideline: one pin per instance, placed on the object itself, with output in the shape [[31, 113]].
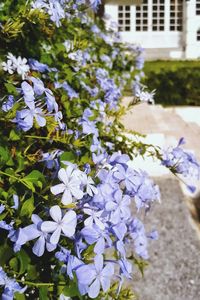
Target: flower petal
[[54, 239], [49, 226], [56, 213], [98, 262], [66, 197], [94, 289], [39, 246], [62, 175], [57, 189]]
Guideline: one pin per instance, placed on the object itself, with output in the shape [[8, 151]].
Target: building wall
[[164, 44]]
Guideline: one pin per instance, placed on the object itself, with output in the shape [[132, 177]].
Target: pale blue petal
[[49, 226], [56, 213], [94, 289], [57, 189], [54, 239], [39, 246]]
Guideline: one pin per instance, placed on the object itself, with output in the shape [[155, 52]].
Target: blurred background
[[169, 32]]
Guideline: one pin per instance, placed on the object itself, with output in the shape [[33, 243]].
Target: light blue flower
[[98, 276], [7, 105], [2, 208], [10, 286]]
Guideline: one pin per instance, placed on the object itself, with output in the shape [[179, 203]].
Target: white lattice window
[[197, 7], [158, 15], [142, 16], [176, 15], [124, 18], [198, 35]]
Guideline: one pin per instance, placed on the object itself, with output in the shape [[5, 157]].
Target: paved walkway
[[164, 127], [174, 270], [174, 267]]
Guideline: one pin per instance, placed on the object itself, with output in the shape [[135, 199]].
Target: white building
[[164, 28]]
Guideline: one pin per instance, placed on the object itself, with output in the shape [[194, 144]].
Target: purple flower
[[38, 86], [125, 268], [25, 118], [129, 177], [70, 91], [96, 235], [7, 105], [2, 208], [10, 286], [50, 101], [70, 186], [94, 4], [56, 12], [65, 224], [98, 276], [37, 66], [181, 162], [119, 207], [28, 94], [137, 232], [29, 233], [16, 202]]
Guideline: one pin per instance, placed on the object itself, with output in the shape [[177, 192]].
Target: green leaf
[[71, 290], [27, 207], [5, 254], [14, 136], [11, 89], [14, 264], [24, 261], [19, 296], [31, 273], [35, 178], [43, 293], [4, 154], [67, 156]]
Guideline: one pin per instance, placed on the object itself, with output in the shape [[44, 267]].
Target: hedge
[[176, 84]]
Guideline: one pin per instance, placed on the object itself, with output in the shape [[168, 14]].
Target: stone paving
[[174, 270]]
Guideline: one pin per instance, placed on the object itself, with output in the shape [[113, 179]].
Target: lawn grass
[[169, 65]]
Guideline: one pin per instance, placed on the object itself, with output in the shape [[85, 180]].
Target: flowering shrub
[[69, 199]]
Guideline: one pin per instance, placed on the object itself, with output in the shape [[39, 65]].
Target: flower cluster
[[181, 162], [70, 202], [10, 286], [101, 217], [16, 64]]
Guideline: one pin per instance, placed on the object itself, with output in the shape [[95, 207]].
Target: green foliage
[[30, 33], [176, 83]]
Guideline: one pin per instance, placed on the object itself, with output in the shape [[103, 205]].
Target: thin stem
[[38, 284], [14, 177]]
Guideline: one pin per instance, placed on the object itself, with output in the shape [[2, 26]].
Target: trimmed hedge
[[176, 84]]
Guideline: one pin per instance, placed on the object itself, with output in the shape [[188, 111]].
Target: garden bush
[[70, 203], [176, 84]]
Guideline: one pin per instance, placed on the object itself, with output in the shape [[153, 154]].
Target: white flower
[[70, 186], [89, 183], [67, 224], [8, 66], [16, 64], [94, 217], [21, 66]]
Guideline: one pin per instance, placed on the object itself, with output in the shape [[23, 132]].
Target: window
[[197, 7], [158, 15], [124, 18], [142, 16], [176, 15], [198, 35]]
